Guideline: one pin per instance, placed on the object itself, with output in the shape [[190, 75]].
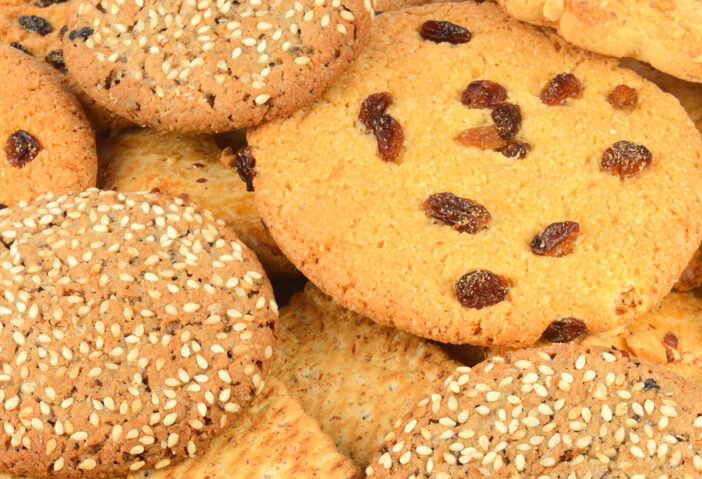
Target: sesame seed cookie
[[471, 179], [670, 334], [666, 34], [342, 367], [36, 27], [133, 330], [557, 412], [196, 168], [211, 65], [46, 143]]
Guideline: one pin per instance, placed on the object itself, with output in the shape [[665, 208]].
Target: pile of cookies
[[482, 223]]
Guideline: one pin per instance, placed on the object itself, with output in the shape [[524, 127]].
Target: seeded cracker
[[343, 368], [211, 65], [586, 210], [134, 329], [557, 412], [46, 143]]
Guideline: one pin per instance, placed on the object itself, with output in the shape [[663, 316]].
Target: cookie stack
[[521, 182]]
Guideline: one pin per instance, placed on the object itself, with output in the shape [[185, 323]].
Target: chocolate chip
[[388, 133], [55, 59], [21, 148], [483, 94], [374, 105], [517, 149], [83, 32], [483, 137], [564, 330], [626, 159], [245, 166], [481, 288], [623, 97], [508, 119], [560, 88], [36, 24], [462, 214], [19, 47], [557, 239], [439, 31]]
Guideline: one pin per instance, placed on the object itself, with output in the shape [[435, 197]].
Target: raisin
[[2, 206], [63, 31], [389, 134], [55, 59], [623, 97], [557, 239], [19, 47], [462, 214], [518, 150], [48, 3], [483, 137], [670, 339], [21, 148], [560, 88], [508, 119], [483, 94], [83, 32], [375, 104], [34, 23], [481, 288], [625, 159], [439, 31], [245, 164], [564, 330], [650, 384]]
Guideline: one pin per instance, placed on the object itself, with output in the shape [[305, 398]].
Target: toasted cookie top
[[471, 179], [204, 66], [46, 143], [133, 329], [562, 411]]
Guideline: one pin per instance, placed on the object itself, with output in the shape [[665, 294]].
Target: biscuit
[[342, 367], [133, 330], [46, 143], [144, 159], [211, 66], [41, 38], [670, 334], [454, 241], [667, 35], [562, 411]]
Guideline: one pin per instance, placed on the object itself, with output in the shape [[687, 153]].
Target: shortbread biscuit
[[211, 66], [472, 179], [46, 143], [561, 411], [343, 367], [134, 329], [192, 167]]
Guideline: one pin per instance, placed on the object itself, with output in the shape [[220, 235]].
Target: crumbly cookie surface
[[211, 66], [133, 330], [383, 237], [194, 166], [665, 34], [562, 411], [46, 143]]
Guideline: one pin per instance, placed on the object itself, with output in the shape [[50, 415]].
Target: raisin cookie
[[133, 330], [342, 367], [193, 167], [46, 142], [665, 34], [454, 189], [211, 66], [557, 412], [35, 27]]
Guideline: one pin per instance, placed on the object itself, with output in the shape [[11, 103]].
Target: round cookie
[[46, 143], [36, 27], [193, 166], [557, 412], [667, 35], [585, 210], [211, 66], [133, 330]]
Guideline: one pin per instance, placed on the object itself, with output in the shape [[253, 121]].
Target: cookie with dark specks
[[211, 65], [471, 179], [46, 143], [557, 412], [134, 329]]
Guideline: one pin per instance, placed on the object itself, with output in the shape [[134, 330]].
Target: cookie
[[670, 334], [36, 27], [211, 66], [133, 330], [473, 181], [667, 35], [557, 412], [144, 159], [46, 143], [342, 367], [691, 277]]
